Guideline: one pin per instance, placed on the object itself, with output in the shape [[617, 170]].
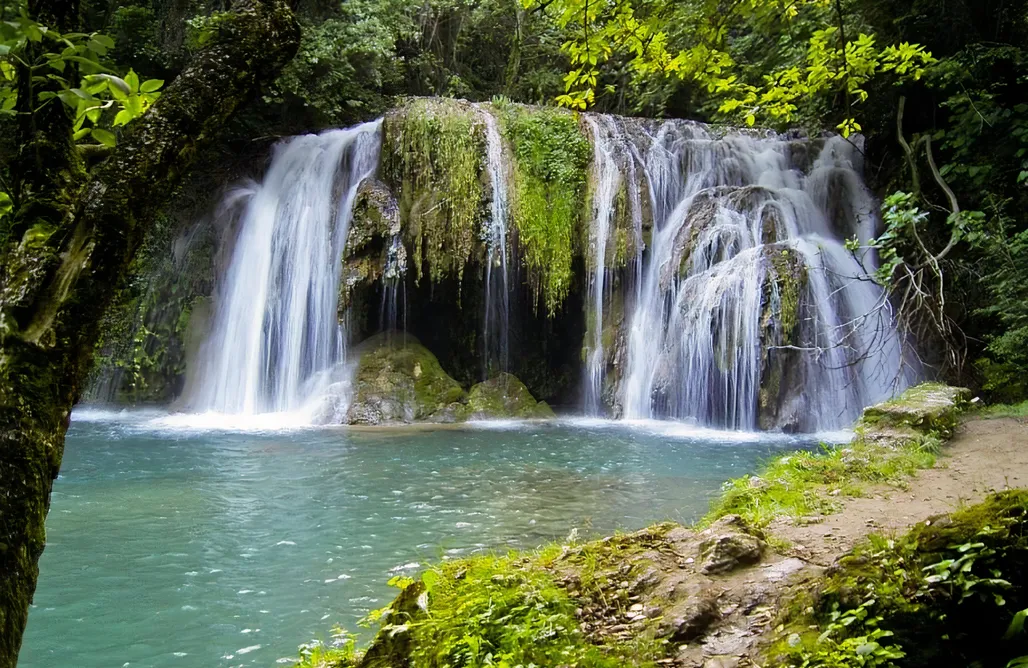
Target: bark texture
[[75, 233]]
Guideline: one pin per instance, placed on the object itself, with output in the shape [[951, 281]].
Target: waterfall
[[736, 223], [718, 289], [496, 330], [606, 179], [275, 330]]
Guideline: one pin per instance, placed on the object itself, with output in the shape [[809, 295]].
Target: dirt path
[[984, 456]]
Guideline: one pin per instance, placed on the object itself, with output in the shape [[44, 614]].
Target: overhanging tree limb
[[76, 234]]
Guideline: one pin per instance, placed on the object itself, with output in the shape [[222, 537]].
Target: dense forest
[[109, 109]]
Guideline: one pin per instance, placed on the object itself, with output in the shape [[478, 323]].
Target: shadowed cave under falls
[[710, 278]]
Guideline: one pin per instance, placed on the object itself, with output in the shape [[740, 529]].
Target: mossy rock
[[375, 214], [398, 380], [433, 159], [780, 402], [505, 397], [926, 409], [374, 223]]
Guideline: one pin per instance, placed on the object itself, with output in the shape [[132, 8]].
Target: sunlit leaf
[[104, 137]]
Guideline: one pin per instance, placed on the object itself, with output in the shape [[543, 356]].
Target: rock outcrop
[[399, 381], [505, 397], [927, 410]]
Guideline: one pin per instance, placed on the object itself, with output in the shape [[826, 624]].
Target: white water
[[276, 342], [496, 331], [702, 310], [607, 179], [695, 348]]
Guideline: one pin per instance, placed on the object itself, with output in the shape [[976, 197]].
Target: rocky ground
[[728, 582]]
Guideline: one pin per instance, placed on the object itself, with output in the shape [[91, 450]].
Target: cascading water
[[719, 288], [496, 331], [276, 333], [748, 284], [607, 179]]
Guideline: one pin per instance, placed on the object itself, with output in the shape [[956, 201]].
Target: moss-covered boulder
[[399, 381], [505, 397], [928, 409]]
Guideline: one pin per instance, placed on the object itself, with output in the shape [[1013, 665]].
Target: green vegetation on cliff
[[551, 156], [433, 158]]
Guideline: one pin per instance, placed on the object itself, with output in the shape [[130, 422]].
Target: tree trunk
[[76, 234]]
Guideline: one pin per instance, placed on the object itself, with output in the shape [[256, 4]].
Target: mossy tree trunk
[[73, 236]]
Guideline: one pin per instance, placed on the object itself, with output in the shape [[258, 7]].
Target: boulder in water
[[505, 397], [400, 381]]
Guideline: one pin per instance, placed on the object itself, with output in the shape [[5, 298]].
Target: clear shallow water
[[189, 548]]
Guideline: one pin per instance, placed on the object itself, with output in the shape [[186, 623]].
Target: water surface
[[189, 548]]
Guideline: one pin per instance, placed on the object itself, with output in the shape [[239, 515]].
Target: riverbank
[[725, 593]]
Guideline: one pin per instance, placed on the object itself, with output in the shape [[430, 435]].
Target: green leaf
[[1016, 627], [104, 40], [134, 105], [104, 137], [117, 84], [80, 134], [151, 85], [124, 116], [429, 578], [132, 80], [96, 47]]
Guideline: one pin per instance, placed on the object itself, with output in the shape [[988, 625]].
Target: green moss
[[790, 278], [785, 283], [943, 594], [929, 408], [805, 483], [398, 379], [551, 156], [521, 608], [143, 348], [432, 156], [505, 397]]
